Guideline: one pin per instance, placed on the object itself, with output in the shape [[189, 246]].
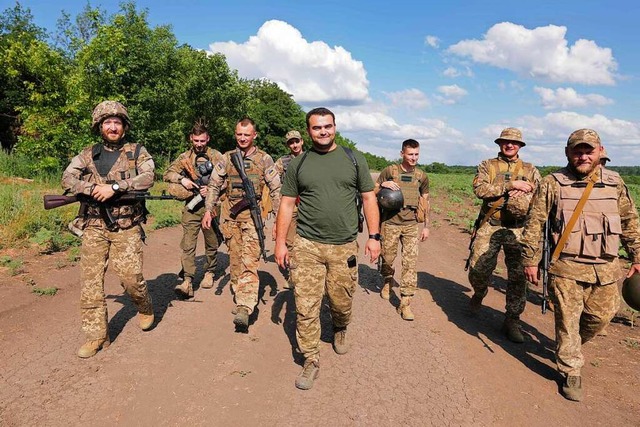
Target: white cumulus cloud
[[313, 72], [432, 41], [541, 53], [409, 98], [569, 98], [451, 94]]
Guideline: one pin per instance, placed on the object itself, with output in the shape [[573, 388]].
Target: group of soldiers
[[322, 197]]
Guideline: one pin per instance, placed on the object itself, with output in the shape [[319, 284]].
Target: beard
[[586, 168]]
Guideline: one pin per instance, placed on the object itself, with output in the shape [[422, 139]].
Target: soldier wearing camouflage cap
[[506, 185], [294, 141], [104, 171], [188, 176], [584, 268]]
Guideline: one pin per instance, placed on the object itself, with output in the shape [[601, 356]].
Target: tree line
[[50, 82]]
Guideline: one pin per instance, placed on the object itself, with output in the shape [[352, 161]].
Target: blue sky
[[449, 74]]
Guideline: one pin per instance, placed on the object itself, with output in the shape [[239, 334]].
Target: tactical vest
[[127, 212], [409, 185], [254, 168], [500, 172], [595, 238]]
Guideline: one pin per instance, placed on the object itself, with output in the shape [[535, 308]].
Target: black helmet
[[631, 291], [391, 200]]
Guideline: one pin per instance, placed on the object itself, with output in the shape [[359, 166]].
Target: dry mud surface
[[194, 369]]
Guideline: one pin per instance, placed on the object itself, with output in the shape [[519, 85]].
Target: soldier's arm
[[174, 172], [283, 221], [72, 182], [543, 201], [216, 182], [272, 179], [630, 237], [146, 168], [483, 188]]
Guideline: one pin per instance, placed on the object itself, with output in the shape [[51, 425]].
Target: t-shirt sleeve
[[290, 180], [365, 183]]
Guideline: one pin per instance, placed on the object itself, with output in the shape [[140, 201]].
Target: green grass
[[45, 291], [14, 265]]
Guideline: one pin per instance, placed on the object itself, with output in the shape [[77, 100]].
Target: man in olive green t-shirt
[[327, 179]]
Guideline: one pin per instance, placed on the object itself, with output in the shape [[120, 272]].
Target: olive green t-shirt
[[405, 215], [326, 184]]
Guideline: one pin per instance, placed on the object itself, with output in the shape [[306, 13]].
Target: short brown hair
[[320, 111], [410, 143], [199, 127]]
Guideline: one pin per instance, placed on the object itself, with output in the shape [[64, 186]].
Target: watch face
[[115, 187]]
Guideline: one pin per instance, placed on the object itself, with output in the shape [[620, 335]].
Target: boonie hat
[[584, 136], [604, 156], [511, 134], [292, 134]]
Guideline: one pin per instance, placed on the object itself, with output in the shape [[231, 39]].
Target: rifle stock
[[52, 201]]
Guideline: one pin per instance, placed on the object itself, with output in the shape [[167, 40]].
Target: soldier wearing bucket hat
[[506, 185], [594, 204]]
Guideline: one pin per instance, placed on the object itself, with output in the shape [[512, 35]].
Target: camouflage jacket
[[219, 180], [176, 170], [546, 201], [81, 174]]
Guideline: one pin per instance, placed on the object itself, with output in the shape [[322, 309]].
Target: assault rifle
[[544, 264], [472, 242], [52, 201], [249, 201]]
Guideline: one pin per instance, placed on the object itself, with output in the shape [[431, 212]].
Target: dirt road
[[194, 369]]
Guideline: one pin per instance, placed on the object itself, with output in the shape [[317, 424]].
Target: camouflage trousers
[[407, 236], [489, 240], [123, 250], [581, 311], [244, 258], [191, 226], [316, 269]]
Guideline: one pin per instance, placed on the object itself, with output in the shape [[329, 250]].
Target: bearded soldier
[[590, 213], [506, 185], [189, 175], [104, 172]]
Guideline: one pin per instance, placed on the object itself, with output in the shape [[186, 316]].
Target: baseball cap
[[292, 134], [584, 136]]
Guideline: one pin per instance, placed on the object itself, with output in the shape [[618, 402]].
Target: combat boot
[[385, 293], [207, 280], [242, 317], [90, 348], [145, 321], [475, 304], [185, 289], [405, 308], [512, 330], [340, 344], [311, 370], [572, 388]]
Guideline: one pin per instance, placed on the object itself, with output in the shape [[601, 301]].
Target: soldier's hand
[[523, 186], [390, 185], [532, 274], [372, 248], [516, 193], [102, 192], [188, 184], [424, 234], [282, 255], [206, 220], [635, 268], [203, 191]]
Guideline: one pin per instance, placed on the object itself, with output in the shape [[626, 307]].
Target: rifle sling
[[572, 221], [498, 204]]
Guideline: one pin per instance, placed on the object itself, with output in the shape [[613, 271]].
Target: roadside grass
[[15, 266], [51, 291], [453, 195]]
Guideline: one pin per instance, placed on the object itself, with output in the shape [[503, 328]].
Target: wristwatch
[[115, 187], [376, 236]]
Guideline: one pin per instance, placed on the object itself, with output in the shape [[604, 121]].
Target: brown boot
[[405, 308], [511, 328], [340, 343], [385, 293], [91, 347], [145, 321], [304, 381], [185, 289], [475, 304], [242, 317], [572, 388], [207, 280]]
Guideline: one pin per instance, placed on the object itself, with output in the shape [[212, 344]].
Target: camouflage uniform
[[192, 219], [502, 230], [121, 245], [402, 227], [240, 233], [582, 282]]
